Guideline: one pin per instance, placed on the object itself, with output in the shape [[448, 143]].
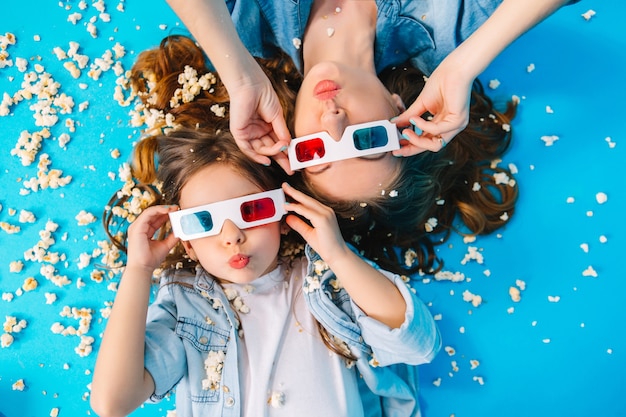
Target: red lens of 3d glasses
[[310, 149], [260, 209]]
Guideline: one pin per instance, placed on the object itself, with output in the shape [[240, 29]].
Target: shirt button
[[230, 401], [204, 340]]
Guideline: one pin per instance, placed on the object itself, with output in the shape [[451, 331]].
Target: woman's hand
[[144, 251], [446, 97], [322, 234], [256, 116], [257, 122]]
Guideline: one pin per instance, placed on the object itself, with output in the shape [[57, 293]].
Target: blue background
[[579, 74]]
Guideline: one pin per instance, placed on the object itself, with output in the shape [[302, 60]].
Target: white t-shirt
[[283, 360]]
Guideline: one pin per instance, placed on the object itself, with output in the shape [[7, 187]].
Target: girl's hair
[[163, 163], [400, 228], [155, 74]]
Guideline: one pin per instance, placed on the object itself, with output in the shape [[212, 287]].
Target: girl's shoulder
[[174, 275], [186, 280]]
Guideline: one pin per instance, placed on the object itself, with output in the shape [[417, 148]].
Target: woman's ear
[[397, 101], [284, 228], [189, 249]]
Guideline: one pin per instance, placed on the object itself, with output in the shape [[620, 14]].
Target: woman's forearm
[[509, 21], [210, 24]]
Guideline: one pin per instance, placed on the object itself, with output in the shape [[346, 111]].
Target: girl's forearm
[[373, 292], [509, 21], [210, 24], [120, 382]]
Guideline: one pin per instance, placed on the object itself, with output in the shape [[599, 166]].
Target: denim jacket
[[421, 31], [191, 319]]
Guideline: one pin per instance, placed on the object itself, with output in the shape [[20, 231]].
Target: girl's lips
[[326, 90], [239, 261]]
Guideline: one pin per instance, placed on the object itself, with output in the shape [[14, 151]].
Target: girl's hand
[[143, 250], [257, 122], [323, 233], [446, 96]]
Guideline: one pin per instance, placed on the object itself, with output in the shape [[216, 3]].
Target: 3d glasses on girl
[[357, 140], [247, 211]]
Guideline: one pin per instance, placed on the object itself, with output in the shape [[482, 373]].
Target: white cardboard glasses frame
[[346, 148], [248, 211]]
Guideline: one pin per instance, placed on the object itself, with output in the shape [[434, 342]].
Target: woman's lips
[[238, 261], [326, 90]]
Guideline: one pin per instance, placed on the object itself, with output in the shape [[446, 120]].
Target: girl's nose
[[231, 234]]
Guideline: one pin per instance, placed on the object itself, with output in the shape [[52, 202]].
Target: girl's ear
[[397, 101], [189, 249]]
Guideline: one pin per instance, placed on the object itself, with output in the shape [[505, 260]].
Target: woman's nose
[[334, 121], [231, 234]]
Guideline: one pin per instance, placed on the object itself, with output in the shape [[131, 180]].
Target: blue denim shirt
[[422, 31], [191, 317]]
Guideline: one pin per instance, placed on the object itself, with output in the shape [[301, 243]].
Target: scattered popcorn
[[514, 293], [450, 350], [590, 272], [588, 14], [554, 298], [6, 340], [9, 228], [450, 276], [54, 412], [16, 266], [473, 254], [479, 379], [476, 300], [570, 200], [50, 297], [84, 218], [330, 32], [437, 382], [430, 224], [277, 399], [18, 385], [27, 217], [549, 140], [549, 110], [297, 43], [493, 84], [610, 142], [29, 284], [601, 198], [219, 111], [603, 239], [584, 247], [530, 68], [213, 365], [469, 238]]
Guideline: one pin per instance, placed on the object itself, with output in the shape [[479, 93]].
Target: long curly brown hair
[[399, 232]]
